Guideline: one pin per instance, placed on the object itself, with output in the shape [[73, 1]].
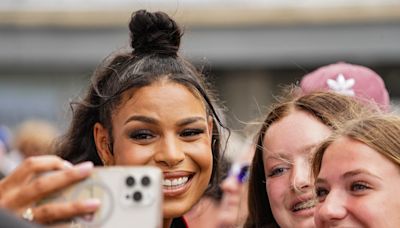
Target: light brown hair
[[330, 108], [379, 132]]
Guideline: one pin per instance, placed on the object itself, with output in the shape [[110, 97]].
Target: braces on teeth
[[304, 205]]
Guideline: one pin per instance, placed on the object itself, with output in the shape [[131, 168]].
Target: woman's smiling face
[[357, 187], [164, 125], [288, 147]]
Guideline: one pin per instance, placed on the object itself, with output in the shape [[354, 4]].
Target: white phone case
[[131, 196]]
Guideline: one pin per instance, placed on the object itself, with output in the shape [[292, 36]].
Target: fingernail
[[85, 167], [67, 165], [92, 203]]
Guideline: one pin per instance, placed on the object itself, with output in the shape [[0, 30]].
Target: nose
[[230, 204], [300, 178], [332, 208], [230, 185], [170, 152]]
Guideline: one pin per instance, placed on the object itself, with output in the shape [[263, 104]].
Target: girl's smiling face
[[357, 187], [288, 148], [164, 125]]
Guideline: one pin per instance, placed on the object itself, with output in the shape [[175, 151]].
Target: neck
[[167, 222]]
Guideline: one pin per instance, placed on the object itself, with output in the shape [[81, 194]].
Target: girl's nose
[[333, 208]]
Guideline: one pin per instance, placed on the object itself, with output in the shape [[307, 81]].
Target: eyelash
[[191, 132], [141, 134], [277, 171], [362, 186], [144, 134], [321, 193]]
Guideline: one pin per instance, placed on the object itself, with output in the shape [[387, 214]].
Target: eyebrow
[[278, 156], [320, 181], [190, 120], [310, 147], [305, 149], [151, 120], [140, 118], [349, 174], [358, 172]]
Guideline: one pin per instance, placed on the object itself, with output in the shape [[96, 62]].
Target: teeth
[[175, 182], [304, 205]]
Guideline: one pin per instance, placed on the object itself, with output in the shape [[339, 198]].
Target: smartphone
[[131, 196]]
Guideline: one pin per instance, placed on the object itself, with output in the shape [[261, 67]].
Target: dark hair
[[155, 39], [330, 108]]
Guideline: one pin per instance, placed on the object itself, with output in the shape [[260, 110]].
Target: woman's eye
[[277, 171], [141, 135], [321, 193], [191, 132], [359, 186]]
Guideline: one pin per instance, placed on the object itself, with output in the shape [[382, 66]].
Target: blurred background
[[250, 49]]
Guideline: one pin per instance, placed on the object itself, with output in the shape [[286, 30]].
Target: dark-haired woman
[[147, 106]]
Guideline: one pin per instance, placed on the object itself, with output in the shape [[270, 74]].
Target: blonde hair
[[35, 137], [379, 132]]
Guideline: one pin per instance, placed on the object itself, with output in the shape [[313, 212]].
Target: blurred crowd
[[31, 137]]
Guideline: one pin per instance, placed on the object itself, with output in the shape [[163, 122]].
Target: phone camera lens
[[130, 181], [146, 181], [137, 196]]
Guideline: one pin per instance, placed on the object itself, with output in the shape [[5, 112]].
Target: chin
[[308, 223], [175, 209]]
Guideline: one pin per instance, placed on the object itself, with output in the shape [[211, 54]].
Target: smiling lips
[[176, 183], [307, 204]]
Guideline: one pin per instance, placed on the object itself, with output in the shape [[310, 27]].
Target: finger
[[231, 185], [50, 183], [35, 165], [12, 185], [50, 213]]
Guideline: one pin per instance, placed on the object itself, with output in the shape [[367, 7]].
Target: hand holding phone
[[130, 196]]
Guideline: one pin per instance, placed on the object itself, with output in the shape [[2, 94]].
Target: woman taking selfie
[[144, 107]]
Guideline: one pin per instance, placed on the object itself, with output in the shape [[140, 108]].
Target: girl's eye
[[141, 135], [359, 186], [191, 132], [277, 171], [321, 193]]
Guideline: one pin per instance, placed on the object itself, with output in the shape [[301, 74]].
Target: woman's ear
[[102, 141]]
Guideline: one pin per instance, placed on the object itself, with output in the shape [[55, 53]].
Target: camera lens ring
[[146, 181], [130, 181], [137, 196]]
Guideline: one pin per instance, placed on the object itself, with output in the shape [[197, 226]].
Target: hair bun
[[154, 33]]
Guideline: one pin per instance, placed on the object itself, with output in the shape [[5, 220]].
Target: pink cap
[[348, 79]]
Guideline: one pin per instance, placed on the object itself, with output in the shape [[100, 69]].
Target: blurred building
[[48, 49]]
